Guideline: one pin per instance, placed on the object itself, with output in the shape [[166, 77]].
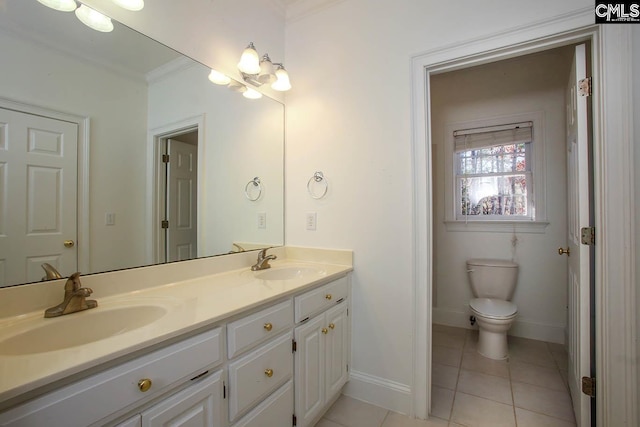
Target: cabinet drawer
[[95, 397], [313, 302], [251, 330], [256, 375], [274, 411]]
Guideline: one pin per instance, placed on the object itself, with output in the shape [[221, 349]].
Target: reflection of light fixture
[[62, 5], [94, 19], [237, 87], [134, 5], [259, 72], [218, 78], [252, 94]]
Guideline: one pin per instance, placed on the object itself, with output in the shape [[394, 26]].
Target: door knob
[[562, 251], [69, 243], [268, 327], [144, 384], [268, 372]]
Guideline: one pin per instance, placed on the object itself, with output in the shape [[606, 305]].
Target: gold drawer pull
[[328, 297], [144, 384], [268, 326], [325, 331], [332, 326], [268, 372]]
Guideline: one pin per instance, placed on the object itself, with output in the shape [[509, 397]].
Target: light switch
[[262, 220], [311, 221], [110, 218]]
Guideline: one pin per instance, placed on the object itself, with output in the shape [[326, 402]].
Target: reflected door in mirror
[[38, 190]]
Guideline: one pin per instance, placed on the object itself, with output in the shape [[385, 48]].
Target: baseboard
[[379, 391], [524, 328]]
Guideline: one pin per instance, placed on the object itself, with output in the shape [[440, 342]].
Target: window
[[493, 173]]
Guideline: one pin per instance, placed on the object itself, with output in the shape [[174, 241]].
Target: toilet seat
[[493, 308]]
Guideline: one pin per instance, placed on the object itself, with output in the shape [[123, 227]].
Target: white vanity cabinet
[[120, 389], [322, 349]]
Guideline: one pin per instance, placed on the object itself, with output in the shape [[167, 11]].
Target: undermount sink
[[287, 273], [77, 329]]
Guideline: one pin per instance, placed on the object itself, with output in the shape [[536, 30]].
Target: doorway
[[525, 89]]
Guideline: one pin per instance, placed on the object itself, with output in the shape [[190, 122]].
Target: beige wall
[[532, 84]]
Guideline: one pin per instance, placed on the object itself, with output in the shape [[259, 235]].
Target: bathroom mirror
[[86, 119]]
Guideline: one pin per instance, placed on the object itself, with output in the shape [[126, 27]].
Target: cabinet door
[[336, 349], [198, 405], [309, 371], [135, 421]]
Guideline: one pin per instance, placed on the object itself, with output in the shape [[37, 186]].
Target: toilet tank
[[492, 278]]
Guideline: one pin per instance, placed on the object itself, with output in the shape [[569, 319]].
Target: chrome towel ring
[[318, 180], [253, 189]]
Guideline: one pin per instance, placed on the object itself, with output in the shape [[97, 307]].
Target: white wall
[[349, 116], [38, 75], [636, 114], [531, 84], [243, 139]]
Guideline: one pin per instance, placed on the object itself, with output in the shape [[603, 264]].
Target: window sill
[[538, 227]]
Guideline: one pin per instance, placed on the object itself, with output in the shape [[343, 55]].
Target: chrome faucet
[[50, 272], [74, 298], [263, 260]]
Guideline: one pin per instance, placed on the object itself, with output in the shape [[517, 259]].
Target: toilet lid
[[493, 307]]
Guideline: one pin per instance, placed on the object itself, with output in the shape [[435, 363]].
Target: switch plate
[[311, 221], [109, 218], [262, 220]]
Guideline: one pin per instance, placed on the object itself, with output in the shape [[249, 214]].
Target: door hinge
[[295, 420], [584, 87], [294, 346], [224, 390], [589, 386], [164, 224], [165, 158], [588, 236]]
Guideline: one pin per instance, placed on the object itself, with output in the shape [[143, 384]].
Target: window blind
[[471, 139]]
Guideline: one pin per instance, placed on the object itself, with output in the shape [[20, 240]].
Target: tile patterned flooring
[[528, 390]]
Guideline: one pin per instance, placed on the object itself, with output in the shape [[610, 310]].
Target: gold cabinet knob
[[69, 243], [332, 326], [144, 384], [328, 296], [562, 251], [268, 327], [325, 331], [268, 372]]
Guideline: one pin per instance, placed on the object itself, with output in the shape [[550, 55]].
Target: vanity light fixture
[[61, 5], [94, 19], [262, 71], [218, 78]]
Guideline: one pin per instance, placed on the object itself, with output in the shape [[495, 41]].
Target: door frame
[[617, 388], [82, 206], [155, 196]]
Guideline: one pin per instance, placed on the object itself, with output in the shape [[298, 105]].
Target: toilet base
[[493, 344]]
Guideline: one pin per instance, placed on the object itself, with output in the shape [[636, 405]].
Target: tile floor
[[528, 390]]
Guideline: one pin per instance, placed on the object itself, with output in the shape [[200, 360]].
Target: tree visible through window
[[494, 181]]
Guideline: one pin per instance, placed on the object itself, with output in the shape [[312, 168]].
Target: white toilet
[[493, 282]]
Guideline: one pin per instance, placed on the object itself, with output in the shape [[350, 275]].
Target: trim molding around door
[[616, 395], [153, 197], [84, 134]]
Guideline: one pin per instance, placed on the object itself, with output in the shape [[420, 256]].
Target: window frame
[[536, 222]]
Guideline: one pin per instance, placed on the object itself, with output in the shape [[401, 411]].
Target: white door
[[182, 187], [336, 350], [309, 370], [578, 260], [38, 196]]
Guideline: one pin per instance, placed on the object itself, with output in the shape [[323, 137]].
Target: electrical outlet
[[262, 220], [311, 221], [109, 218]]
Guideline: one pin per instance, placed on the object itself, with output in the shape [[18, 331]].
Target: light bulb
[[267, 73], [252, 94], [134, 5], [61, 5], [249, 61], [283, 83], [94, 19], [218, 78]]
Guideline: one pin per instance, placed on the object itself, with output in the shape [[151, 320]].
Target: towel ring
[[253, 184], [318, 178]]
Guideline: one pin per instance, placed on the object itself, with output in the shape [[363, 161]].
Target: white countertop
[[190, 304]]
